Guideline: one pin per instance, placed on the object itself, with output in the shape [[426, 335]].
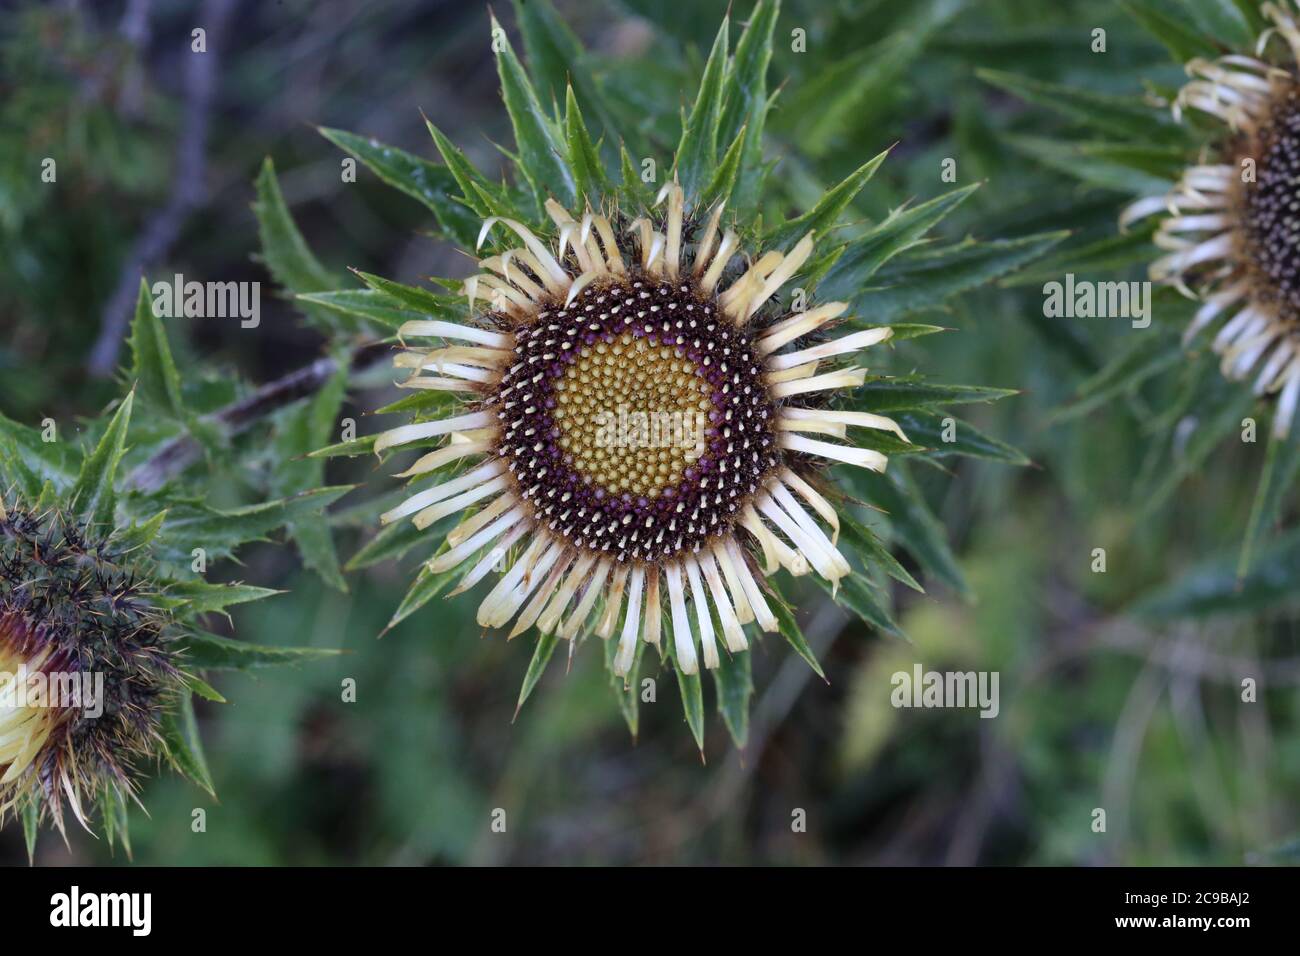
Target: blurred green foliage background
[[1119, 690]]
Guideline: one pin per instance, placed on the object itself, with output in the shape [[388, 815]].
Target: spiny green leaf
[[104, 801], [422, 402], [1106, 256], [1158, 163], [1125, 168], [791, 632], [202, 688], [347, 449], [395, 540], [113, 814], [382, 311], [1145, 355], [557, 59], [537, 137], [626, 690], [855, 594], [692, 704], [191, 525], [734, 683], [636, 192], [49, 497], [425, 588], [931, 430], [697, 152], [202, 597], [903, 229], [746, 102], [1183, 43], [897, 394], [828, 210], [1222, 20], [302, 429], [872, 549], [588, 170], [847, 95], [725, 176], [180, 738], [31, 825], [364, 514], [887, 443], [15, 470], [911, 520], [94, 494], [203, 650], [479, 194], [551, 47], [51, 461], [433, 185], [536, 667], [139, 535], [286, 254], [284, 250], [914, 330], [430, 304], [916, 282], [153, 370], [1120, 116]]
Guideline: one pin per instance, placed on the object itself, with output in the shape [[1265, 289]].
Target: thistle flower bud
[[87, 666]]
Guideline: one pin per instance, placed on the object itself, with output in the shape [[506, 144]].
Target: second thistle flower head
[[87, 666], [1231, 225], [103, 640]]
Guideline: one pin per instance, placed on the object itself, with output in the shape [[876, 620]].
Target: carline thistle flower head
[[663, 313], [1232, 226], [86, 666]]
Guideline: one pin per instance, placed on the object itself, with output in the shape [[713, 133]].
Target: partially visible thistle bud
[[87, 666], [98, 615]]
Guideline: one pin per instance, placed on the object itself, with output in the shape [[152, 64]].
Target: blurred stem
[[179, 453], [187, 192]]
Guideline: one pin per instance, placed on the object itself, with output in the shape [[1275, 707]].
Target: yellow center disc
[[632, 415]]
